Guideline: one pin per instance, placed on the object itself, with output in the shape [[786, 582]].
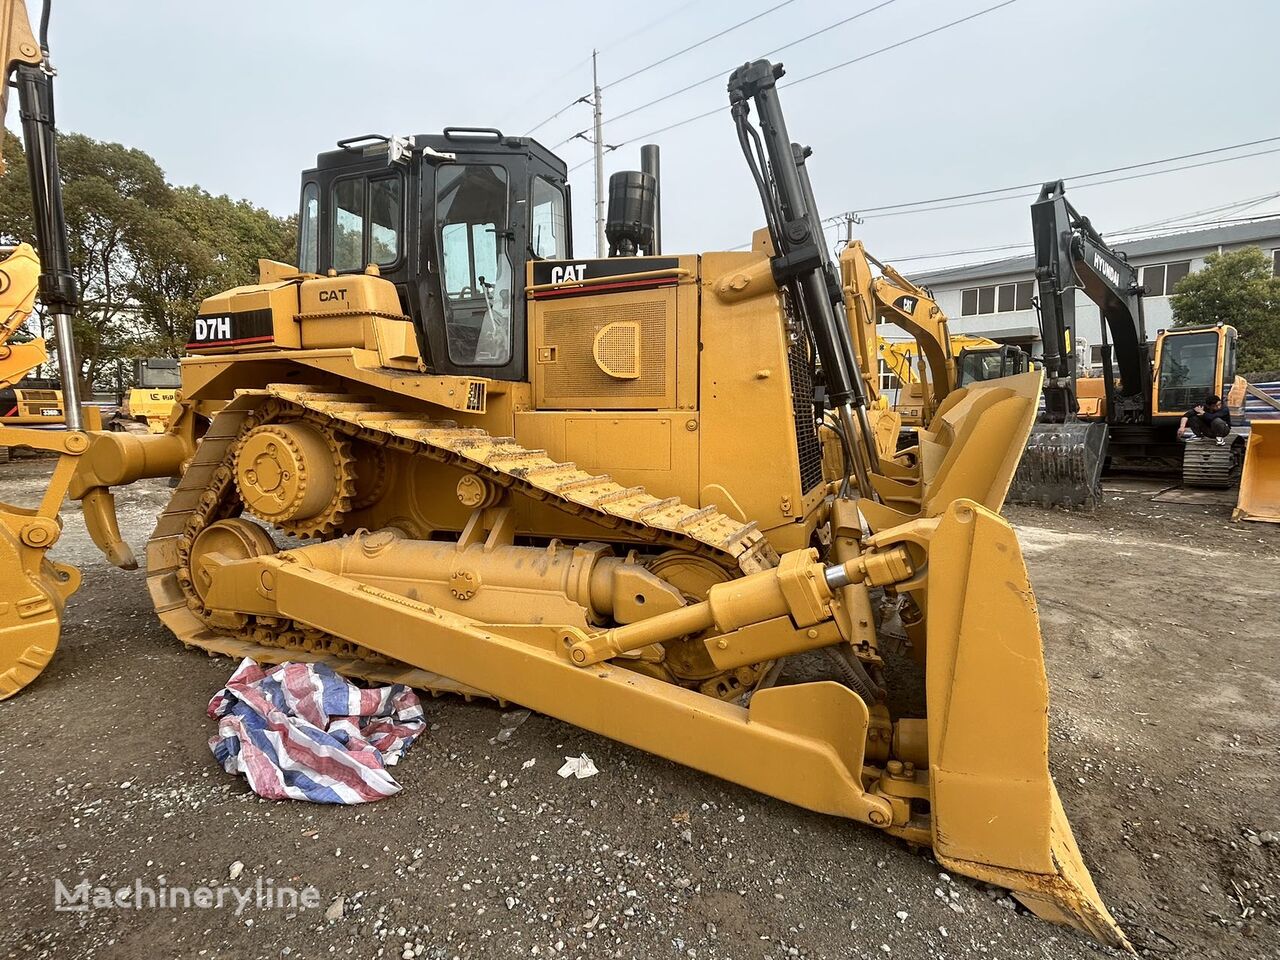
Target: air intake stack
[[633, 207]]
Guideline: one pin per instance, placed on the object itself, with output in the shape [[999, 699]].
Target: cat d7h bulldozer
[[593, 487]]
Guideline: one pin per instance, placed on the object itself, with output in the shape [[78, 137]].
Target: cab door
[[484, 215]]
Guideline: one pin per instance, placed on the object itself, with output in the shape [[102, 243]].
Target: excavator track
[[207, 493]]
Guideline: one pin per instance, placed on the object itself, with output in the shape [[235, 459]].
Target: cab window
[[384, 221], [472, 212], [366, 222], [348, 225], [547, 230], [309, 229], [1188, 364]]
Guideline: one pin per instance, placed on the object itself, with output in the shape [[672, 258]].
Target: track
[[207, 493]]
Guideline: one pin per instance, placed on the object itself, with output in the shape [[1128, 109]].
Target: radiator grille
[[574, 378], [807, 443]]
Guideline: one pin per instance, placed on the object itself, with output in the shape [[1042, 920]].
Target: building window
[[1159, 279], [1275, 263], [887, 380], [997, 298]]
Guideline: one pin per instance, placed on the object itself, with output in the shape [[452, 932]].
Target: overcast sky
[[239, 96]]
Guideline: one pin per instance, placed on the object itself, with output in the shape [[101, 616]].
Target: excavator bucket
[[1062, 465], [1260, 478]]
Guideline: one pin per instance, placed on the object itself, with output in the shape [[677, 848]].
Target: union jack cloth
[[299, 731]]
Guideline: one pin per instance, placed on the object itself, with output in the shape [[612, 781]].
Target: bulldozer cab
[[1190, 364], [451, 219]]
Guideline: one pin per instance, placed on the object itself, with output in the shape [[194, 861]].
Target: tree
[[145, 253], [1236, 287], [197, 245]]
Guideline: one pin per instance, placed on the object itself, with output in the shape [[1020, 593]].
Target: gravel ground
[[1160, 628]]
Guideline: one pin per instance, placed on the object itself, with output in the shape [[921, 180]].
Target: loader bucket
[[1062, 465], [1260, 478]]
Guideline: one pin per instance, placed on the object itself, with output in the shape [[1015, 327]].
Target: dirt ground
[[1161, 623]]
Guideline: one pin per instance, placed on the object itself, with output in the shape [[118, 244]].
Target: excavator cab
[[1190, 364], [451, 219], [979, 364]]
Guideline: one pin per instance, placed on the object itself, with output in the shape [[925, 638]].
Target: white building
[[995, 299]]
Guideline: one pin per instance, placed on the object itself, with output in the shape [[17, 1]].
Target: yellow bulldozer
[[593, 487]]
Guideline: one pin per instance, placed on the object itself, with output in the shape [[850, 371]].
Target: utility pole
[[598, 124]]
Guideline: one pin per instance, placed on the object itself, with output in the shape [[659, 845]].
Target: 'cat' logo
[[569, 272], [213, 328]]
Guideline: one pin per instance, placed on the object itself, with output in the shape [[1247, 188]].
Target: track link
[[206, 494]]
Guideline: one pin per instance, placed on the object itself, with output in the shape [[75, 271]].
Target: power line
[[1027, 246], [1083, 186], [608, 46], [1126, 235], [1236, 205], [694, 46], [543, 123], [720, 74], [838, 66], [648, 26], [900, 43], [1078, 176], [537, 93]]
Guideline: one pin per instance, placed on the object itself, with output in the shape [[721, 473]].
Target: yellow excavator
[[594, 487], [935, 361], [19, 277], [36, 403], [976, 359]]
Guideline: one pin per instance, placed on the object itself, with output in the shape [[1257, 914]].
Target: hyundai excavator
[[1129, 418], [444, 450]]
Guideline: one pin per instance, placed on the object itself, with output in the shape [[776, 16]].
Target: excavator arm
[[892, 298], [1071, 255], [1063, 461]]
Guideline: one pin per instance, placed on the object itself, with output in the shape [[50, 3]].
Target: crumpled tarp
[[299, 731]]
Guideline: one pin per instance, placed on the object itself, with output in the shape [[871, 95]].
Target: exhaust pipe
[[652, 165]]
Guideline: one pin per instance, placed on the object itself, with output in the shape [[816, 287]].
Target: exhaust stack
[[651, 164]]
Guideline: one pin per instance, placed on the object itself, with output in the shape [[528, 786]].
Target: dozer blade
[[1062, 465], [996, 815], [1260, 478]]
